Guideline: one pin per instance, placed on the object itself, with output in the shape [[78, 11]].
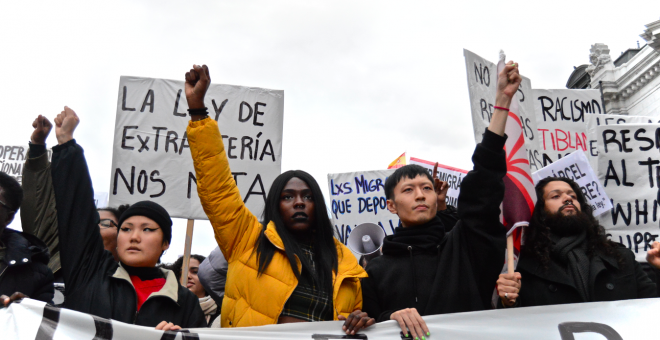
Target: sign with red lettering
[[453, 177], [560, 121]]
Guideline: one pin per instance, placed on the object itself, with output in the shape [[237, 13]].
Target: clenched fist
[[65, 124], [42, 127]]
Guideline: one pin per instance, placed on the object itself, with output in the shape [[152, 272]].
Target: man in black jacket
[[427, 270], [95, 283], [567, 258], [23, 257]]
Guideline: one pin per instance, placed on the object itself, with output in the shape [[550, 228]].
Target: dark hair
[[177, 266], [11, 191], [116, 211], [325, 250], [409, 171], [537, 236]]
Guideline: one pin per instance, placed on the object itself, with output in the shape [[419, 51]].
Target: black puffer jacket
[[437, 270], [95, 283], [25, 267]]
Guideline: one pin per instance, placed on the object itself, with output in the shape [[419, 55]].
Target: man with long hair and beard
[[286, 268], [567, 258]]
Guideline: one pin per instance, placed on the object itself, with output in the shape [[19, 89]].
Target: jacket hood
[[23, 248], [420, 239]]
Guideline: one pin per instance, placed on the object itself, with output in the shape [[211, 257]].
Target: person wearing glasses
[[23, 257], [109, 228]]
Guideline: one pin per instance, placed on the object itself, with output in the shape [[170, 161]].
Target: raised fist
[[198, 80], [42, 127], [508, 82], [65, 124]]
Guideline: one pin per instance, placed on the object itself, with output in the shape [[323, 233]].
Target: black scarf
[[421, 239], [572, 251], [144, 273]]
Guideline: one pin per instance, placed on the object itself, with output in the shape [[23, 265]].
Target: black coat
[[608, 281], [94, 282], [25, 267], [460, 275]]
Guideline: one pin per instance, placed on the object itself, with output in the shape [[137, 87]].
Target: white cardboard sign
[[12, 158], [560, 118], [628, 168], [482, 82], [575, 166], [151, 157], [359, 197]]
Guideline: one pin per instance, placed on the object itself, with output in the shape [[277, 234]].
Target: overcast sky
[[364, 81]]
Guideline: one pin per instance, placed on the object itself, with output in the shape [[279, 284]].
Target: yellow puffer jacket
[[251, 300]]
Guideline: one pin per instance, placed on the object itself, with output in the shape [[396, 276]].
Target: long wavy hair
[[537, 235], [325, 251]]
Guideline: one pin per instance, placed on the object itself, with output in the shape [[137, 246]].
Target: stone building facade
[[630, 84]]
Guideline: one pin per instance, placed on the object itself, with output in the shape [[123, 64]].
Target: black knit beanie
[[153, 211]]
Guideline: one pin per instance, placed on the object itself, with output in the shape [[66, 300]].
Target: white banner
[[575, 166], [592, 121], [482, 86], [628, 319], [151, 157], [453, 176], [628, 168], [359, 197], [560, 120]]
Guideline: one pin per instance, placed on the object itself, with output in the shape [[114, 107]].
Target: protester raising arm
[[38, 213], [135, 291]]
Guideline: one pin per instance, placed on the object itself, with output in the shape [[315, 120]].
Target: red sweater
[[144, 288]]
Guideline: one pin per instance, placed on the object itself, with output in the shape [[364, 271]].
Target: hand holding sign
[[198, 80], [65, 123], [42, 127], [653, 255]]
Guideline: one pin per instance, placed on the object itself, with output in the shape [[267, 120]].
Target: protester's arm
[[38, 213], [81, 246], [235, 226]]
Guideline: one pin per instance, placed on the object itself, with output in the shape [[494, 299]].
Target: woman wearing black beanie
[[133, 290]]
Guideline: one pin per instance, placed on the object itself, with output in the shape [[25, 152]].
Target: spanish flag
[[399, 162]]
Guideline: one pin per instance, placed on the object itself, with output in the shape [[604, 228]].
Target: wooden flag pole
[[509, 254], [186, 253]]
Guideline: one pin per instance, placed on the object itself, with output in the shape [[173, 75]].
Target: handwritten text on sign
[[151, 155], [359, 197], [453, 177], [629, 169], [576, 167], [560, 120]]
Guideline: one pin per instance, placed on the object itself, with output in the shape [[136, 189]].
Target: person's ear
[[166, 246], [391, 206]]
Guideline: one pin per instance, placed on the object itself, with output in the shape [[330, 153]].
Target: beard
[[568, 225]]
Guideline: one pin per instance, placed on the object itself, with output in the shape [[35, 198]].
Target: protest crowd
[[288, 265]]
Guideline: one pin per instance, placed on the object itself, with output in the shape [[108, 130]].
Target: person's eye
[[149, 229], [125, 229], [407, 190], [309, 198], [286, 197]]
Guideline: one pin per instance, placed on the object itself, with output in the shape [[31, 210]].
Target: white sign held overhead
[[575, 166], [593, 121], [560, 120], [151, 157], [482, 83], [628, 168]]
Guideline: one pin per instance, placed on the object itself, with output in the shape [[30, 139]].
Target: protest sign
[[482, 87], [12, 158], [575, 166], [627, 319], [560, 120], [359, 197], [453, 177], [594, 120], [100, 199], [151, 157], [629, 169]]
